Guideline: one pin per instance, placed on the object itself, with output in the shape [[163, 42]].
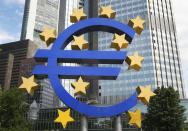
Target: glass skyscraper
[[158, 44], [37, 15]]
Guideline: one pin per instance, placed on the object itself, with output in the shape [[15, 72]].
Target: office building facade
[[10, 61], [157, 44], [39, 14]]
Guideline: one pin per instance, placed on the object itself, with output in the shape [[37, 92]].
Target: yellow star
[[29, 85], [119, 42], [135, 118], [135, 61], [48, 35], [64, 118], [79, 43], [137, 24], [80, 86], [145, 94], [78, 15], [107, 12]]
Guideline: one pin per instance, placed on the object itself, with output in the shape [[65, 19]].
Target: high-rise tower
[[158, 44], [37, 15]]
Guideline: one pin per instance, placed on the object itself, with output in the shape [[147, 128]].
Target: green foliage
[[165, 112], [186, 126], [13, 110]]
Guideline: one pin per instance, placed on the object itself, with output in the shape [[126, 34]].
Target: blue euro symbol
[[57, 54]]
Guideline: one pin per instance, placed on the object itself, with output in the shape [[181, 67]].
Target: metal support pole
[[84, 124], [117, 123]]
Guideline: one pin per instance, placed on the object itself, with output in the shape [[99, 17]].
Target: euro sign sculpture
[[58, 54], [124, 34]]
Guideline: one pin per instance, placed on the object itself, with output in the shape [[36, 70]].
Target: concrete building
[[16, 60], [37, 15], [10, 60]]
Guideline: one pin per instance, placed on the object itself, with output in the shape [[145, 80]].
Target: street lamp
[[33, 111]]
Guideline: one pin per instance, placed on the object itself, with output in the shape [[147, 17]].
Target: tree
[[165, 112], [13, 110], [186, 126]]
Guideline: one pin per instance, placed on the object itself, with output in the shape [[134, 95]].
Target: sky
[[181, 19], [11, 13]]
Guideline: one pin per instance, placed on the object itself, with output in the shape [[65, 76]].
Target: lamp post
[[1, 89], [84, 123], [117, 123], [33, 112]]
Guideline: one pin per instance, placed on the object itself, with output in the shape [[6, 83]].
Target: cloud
[[17, 2], [180, 12], [6, 37]]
